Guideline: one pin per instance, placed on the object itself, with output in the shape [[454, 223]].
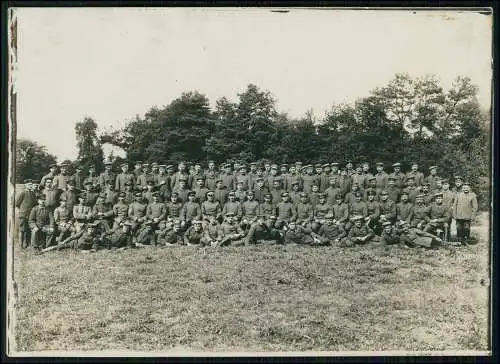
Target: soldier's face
[[53, 170], [446, 186], [260, 172], [355, 187], [253, 168], [358, 223], [138, 166], [155, 199], [173, 198], [182, 184], [197, 227], [339, 200], [182, 167], [162, 170], [358, 198], [260, 184], [29, 186], [124, 169], [404, 198], [276, 184], [366, 167], [439, 184], [197, 168], [329, 221], [349, 166], [380, 169], [310, 171], [433, 171], [397, 169], [439, 200], [232, 198], [48, 183], [319, 170], [274, 171], [295, 187], [388, 229], [419, 200], [322, 200], [293, 170], [41, 202], [458, 183], [359, 170], [383, 197], [250, 197], [200, 183], [326, 170], [243, 171], [331, 182], [227, 170], [335, 169], [414, 167], [283, 170], [284, 198], [267, 167], [411, 182], [292, 226], [391, 182], [267, 199], [211, 165], [63, 203], [425, 188], [210, 197], [466, 189], [303, 199], [315, 188], [63, 170]]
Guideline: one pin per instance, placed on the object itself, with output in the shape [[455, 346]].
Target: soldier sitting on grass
[[359, 233], [331, 232], [231, 231], [390, 235], [413, 236], [145, 235], [264, 230], [299, 235], [212, 234], [121, 237], [173, 236], [194, 234]]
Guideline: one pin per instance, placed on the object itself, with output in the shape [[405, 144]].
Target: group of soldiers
[[237, 204]]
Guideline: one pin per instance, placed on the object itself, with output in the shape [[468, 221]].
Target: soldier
[[358, 208], [295, 193], [298, 167], [404, 209], [156, 210], [147, 194], [211, 179], [439, 185], [326, 171], [212, 168], [372, 188], [212, 233], [359, 233], [173, 208], [314, 195], [305, 211], [233, 206], [264, 229], [220, 192], [267, 207], [387, 207], [273, 176], [129, 194], [321, 209], [335, 169], [283, 174], [426, 191], [170, 173], [181, 189], [413, 236], [41, 223], [366, 172], [93, 178], [155, 170], [191, 210], [411, 189], [390, 235], [448, 199], [439, 216], [198, 171], [359, 177], [381, 177], [120, 237], [77, 178], [330, 232], [107, 177], [162, 180], [137, 212], [231, 232], [349, 168], [123, 178], [90, 192], [344, 182], [50, 175], [373, 210], [318, 170], [349, 197], [82, 212], [103, 213], [137, 170], [259, 189], [420, 213], [172, 236], [194, 234], [308, 179], [252, 174], [24, 202], [293, 178], [211, 208], [286, 211], [341, 211], [144, 177], [432, 178], [399, 178], [145, 235], [227, 177], [240, 192], [62, 178], [51, 195], [299, 235], [250, 210], [332, 191], [200, 190], [458, 184], [181, 174], [62, 221], [111, 196], [120, 210], [276, 189], [464, 212], [416, 174], [259, 175], [393, 191]]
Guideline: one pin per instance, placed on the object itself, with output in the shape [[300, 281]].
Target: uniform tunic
[[192, 236], [122, 179], [234, 208], [393, 193], [298, 236], [41, 217], [286, 211], [52, 198], [341, 211], [307, 182], [359, 208], [322, 209], [419, 177], [77, 180], [305, 212], [210, 208], [227, 180], [191, 211], [107, 177], [388, 209], [156, 210], [420, 214], [267, 209], [120, 210], [62, 215], [399, 178], [82, 212], [173, 209], [404, 211], [220, 195], [465, 206], [250, 209], [373, 209], [331, 232], [390, 238], [331, 193], [60, 181], [25, 201], [259, 193]]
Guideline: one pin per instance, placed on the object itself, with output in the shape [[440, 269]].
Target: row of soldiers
[[152, 212]]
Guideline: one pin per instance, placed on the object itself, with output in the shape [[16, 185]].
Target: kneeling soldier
[[359, 233], [331, 231]]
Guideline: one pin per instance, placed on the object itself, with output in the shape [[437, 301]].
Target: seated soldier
[[172, 236], [233, 206], [250, 210], [210, 208], [191, 210], [63, 221], [286, 211], [359, 233], [137, 212], [404, 209], [41, 223], [212, 234], [331, 232], [387, 208], [294, 192], [173, 209], [264, 230], [413, 236], [120, 210], [267, 208], [321, 209], [120, 237], [305, 211], [260, 189], [86, 240], [102, 213], [156, 210], [358, 208], [420, 213], [145, 235], [194, 234], [439, 216], [341, 211], [231, 232], [390, 235], [298, 235], [200, 191]]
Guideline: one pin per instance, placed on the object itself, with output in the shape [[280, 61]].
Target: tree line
[[406, 120]]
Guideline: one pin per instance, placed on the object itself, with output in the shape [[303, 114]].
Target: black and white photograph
[[249, 181]]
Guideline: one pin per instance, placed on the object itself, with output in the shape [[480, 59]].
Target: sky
[[115, 63]]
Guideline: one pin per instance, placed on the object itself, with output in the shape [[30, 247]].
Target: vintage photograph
[[249, 181]]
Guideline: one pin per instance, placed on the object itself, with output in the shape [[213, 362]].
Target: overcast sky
[[114, 63]]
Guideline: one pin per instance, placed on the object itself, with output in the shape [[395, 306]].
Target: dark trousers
[[23, 231], [463, 229]]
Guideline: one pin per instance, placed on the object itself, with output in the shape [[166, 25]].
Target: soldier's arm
[[108, 213], [51, 220], [19, 199], [131, 211], [32, 218]]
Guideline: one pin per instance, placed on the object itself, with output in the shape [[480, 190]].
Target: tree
[[89, 144], [32, 160]]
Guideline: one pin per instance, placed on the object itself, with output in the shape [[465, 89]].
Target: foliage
[[32, 160], [89, 145]]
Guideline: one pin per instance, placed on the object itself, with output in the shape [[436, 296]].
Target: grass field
[[262, 298]]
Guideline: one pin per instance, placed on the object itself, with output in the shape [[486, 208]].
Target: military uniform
[[122, 179], [107, 177], [331, 233], [300, 236], [420, 215], [62, 220], [305, 213], [60, 181], [358, 235], [191, 211], [24, 202], [286, 212], [464, 211], [404, 211], [41, 222], [210, 208], [193, 236]]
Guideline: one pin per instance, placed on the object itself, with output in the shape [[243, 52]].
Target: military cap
[[191, 193], [211, 161], [299, 163], [284, 194], [86, 183], [384, 192], [156, 194], [229, 214], [277, 179], [200, 178], [121, 195], [396, 164], [128, 183], [169, 166], [258, 179], [154, 164], [52, 165], [162, 166], [28, 181], [273, 217], [386, 223], [404, 193], [334, 164], [35, 181], [138, 194], [438, 194], [445, 180], [433, 167], [466, 183], [82, 195], [284, 165], [121, 165], [329, 216], [268, 195], [218, 180], [108, 163], [420, 195], [274, 166], [295, 183], [138, 162], [174, 194], [303, 194], [92, 167], [63, 198], [372, 179], [65, 164], [126, 223], [231, 193], [414, 164], [356, 218], [145, 165], [308, 166], [182, 178], [326, 165], [226, 165], [357, 194], [380, 164], [317, 165], [458, 177], [250, 192]]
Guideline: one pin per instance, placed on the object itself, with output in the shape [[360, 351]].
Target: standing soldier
[[308, 179], [200, 190], [77, 178], [181, 174], [349, 197], [318, 171], [211, 179], [155, 170], [137, 170], [147, 194], [211, 168], [137, 212], [359, 177], [62, 178], [293, 178], [220, 192], [432, 178], [344, 182], [393, 191], [143, 179], [464, 212], [250, 210], [50, 175], [276, 189], [51, 195], [162, 178], [41, 223], [381, 177], [273, 176], [335, 169], [111, 196], [267, 169], [404, 209], [294, 193], [259, 189], [227, 177], [399, 178], [332, 191], [358, 208], [349, 168], [93, 178], [366, 172], [372, 188], [107, 177], [416, 174], [448, 200], [82, 212], [340, 211], [411, 189], [198, 171], [458, 184], [426, 191], [25, 201], [314, 194], [120, 210], [123, 178], [321, 209], [129, 194]]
